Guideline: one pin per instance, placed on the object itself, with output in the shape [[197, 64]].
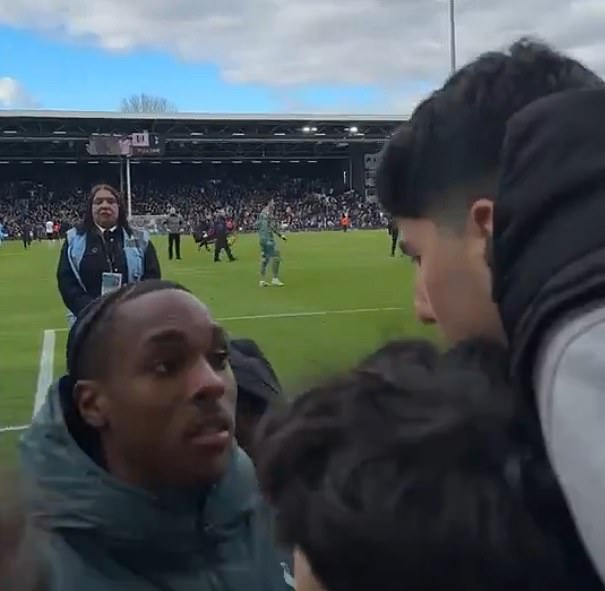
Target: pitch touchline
[[46, 359], [45, 376], [13, 429], [295, 314], [304, 314], [45, 373]]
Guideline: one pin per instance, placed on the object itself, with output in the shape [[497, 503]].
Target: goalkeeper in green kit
[[267, 230]]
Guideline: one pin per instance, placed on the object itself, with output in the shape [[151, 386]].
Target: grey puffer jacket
[[108, 536]]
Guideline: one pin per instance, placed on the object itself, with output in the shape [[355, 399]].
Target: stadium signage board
[[135, 144]]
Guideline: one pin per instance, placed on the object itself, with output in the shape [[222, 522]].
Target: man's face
[[105, 208], [169, 398], [452, 274]]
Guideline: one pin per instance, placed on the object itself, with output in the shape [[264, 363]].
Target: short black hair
[[409, 475], [87, 340], [447, 156], [419, 352], [483, 354]]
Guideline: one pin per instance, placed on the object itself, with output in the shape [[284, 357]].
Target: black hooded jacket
[[549, 284]]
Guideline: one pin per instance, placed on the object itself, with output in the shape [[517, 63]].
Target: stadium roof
[[56, 135], [201, 117]]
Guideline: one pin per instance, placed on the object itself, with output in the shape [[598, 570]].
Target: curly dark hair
[[410, 472]]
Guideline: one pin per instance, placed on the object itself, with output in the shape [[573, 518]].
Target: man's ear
[[481, 217], [422, 304], [91, 403], [481, 227]]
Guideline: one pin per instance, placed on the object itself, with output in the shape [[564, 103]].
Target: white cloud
[[13, 95], [291, 43]]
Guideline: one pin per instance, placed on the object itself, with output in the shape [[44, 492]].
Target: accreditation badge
[[110, 282]]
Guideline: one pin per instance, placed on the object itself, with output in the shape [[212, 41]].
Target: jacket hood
[[548, 239], [253, 372], [69, 491]]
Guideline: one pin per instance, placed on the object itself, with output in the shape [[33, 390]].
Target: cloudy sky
[[349, 56]]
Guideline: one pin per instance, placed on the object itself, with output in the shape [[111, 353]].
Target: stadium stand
[[316, 168], [301, 209]]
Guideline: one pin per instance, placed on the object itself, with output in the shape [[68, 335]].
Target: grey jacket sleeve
[[570, 385]]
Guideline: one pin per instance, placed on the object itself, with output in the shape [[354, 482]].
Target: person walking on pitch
[[174, 224], [26, 234], [50, 231], [394, 234], [267, 230], [221, 238]]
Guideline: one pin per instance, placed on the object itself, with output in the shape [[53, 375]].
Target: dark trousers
[[394, 241], [174, 243], [220, 245], [26, 242]]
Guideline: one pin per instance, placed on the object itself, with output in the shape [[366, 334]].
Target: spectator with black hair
[[518, 133], [103, 253], [412, 471], [439, 176], [304, 204], [418, 352], [132, 460]]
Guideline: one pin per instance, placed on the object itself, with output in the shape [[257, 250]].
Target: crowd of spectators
[[36, 205], [302, 204]]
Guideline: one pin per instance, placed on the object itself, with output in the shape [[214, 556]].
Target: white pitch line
[[48, 346], [306, 314], [45, 373], [295, 315], [13, 429], [45, 376]]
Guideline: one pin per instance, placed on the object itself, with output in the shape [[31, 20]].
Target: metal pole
[[350, 179], [452, 36], [128, 188]]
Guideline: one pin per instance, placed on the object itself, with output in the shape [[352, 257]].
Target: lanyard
[[108, 252]]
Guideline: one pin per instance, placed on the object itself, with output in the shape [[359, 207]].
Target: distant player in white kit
[[50, 231]]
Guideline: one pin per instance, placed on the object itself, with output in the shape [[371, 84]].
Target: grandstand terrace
[[31, 141]]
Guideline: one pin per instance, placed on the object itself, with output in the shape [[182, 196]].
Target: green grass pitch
[[344, 296]]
